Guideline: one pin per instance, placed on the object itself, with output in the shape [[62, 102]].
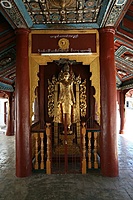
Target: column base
[[122, 132]]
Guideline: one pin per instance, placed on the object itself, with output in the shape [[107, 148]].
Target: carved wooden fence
[[91, 144], [42, 149]]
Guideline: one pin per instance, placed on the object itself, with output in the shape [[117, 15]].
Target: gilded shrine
[[70, 96], [66, 103]]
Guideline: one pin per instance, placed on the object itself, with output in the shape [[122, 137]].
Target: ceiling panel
[[7, 55], [66, 14]]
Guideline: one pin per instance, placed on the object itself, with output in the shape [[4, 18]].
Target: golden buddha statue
[[66, 105], [66, 98]]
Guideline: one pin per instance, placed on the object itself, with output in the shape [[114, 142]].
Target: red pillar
[[122, 111], [108, 146], [23, 137], [10, 120]]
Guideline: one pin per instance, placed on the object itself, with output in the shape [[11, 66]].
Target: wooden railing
[[41, 149], [83, 149], [90, 148]]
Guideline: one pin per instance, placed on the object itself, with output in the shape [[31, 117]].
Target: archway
[[129, 114]]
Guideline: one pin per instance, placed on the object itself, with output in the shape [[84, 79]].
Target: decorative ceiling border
[[107, 11], [10, 55], [122, 41], [113, 12], [128, 86], [24, 12], [121, 51], [66, 26], [126, 77], [103, 10], [6, 87], [11, 9], [9, 75], [125, 36]]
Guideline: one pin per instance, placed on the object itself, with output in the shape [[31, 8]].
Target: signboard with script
[[63, 43]]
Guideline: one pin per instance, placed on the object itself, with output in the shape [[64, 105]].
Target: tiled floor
[[91, 186]]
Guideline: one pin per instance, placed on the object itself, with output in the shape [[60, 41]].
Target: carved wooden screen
[[78, 69]]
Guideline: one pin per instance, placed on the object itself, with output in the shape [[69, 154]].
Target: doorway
[[129, 114]]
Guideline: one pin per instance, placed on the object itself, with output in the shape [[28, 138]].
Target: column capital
[[19, 31], [107, 29]]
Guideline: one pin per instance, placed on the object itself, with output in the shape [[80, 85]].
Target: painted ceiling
[[66, 14]]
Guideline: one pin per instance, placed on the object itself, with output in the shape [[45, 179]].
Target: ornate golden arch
[[86, 58]]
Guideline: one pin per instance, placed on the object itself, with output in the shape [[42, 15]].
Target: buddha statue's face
[[66, 76]]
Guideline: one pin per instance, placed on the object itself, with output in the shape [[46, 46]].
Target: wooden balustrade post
[[48, 162], [89, 150], [95, 150], [42, 150], [83, 130], [36, 165]]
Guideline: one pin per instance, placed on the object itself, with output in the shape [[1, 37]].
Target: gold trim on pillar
[[33, 71]]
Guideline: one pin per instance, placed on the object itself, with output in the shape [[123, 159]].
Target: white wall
[[129, 102], [2, 111]]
